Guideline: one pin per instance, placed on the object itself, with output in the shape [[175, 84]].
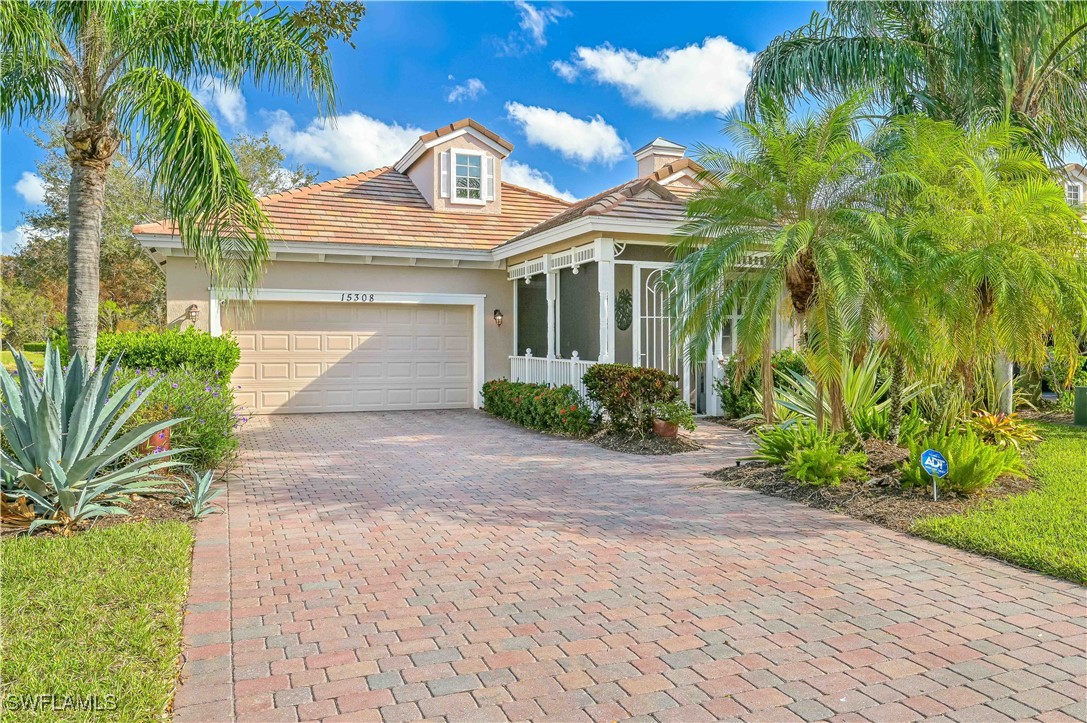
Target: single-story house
[[406, 287]]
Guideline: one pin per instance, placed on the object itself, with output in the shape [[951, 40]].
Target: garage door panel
[[314, 357]]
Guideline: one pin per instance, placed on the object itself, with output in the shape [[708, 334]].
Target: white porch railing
[[541, 370]]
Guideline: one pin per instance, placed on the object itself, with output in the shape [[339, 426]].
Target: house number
[[356, 297]]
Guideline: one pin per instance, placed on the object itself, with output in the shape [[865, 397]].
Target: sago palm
[[1025, 62], [121, 74], [781, 217]]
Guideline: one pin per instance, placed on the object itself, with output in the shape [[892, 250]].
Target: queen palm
[[783, 216], [121, 74], [1025, 62]]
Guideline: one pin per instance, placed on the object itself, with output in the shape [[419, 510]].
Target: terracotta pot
[[159, 441], [662, 428]]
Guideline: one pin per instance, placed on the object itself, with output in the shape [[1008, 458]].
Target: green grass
[[1044, 529], [98, 614], [36, 358]]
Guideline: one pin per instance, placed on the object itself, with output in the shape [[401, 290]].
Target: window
[[1072, 194], [468, 184]]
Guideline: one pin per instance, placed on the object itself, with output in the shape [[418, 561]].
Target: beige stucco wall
[[188, 284], [426, 174]]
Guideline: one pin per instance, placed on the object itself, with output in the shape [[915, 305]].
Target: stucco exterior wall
[[426, 174], [187, 283]]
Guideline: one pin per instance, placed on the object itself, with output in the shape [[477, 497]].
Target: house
[[407, 287], [1074, 178]]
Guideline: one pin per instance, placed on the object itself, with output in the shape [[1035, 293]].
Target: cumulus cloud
[[31, 187], [348, 143], [705, 78], [520, 174], [532, 23], [10, 240], [468, 90], [576, 139], [225, 99]]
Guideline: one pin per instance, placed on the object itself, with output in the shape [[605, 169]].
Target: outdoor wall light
[[192, 313], [498, 317]]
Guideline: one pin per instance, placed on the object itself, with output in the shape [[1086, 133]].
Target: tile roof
[[630, 200], [466, 123], [383, 207]]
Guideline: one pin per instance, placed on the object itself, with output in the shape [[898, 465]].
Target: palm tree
[[783, 216], [1024, 62], [121, 73], [1008, 268]]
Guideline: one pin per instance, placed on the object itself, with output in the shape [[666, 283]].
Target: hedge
[[167, 350], [539, 406], [628, 394]]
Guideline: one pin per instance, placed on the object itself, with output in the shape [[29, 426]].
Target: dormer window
[[468, 178], [1072, 193]]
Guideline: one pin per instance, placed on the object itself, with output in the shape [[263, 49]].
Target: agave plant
[[65, 450], [199, 494]]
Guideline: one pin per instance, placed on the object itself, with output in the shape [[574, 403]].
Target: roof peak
[[660, 146]]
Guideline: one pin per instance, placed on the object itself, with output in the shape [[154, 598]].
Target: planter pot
[[662, 428], [158, 442]]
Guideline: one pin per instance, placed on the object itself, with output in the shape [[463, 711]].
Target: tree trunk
[[1005, 383], [820, 412], [898, 384], [767, 381], [86, 199]]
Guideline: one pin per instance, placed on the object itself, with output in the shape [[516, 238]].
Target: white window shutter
[[489, 177], [444, 182]]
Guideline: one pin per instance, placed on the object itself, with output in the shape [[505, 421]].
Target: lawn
[[36, 358], [1042, 530], [93, 619]]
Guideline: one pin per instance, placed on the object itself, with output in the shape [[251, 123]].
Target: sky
[[575, 86]]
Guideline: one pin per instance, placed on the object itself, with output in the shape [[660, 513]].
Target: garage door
[[318, 357]]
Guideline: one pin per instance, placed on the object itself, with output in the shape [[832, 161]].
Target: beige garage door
[[352, 357]]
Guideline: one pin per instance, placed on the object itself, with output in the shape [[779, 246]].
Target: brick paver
[[448, 565]]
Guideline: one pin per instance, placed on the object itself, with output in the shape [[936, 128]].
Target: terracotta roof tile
[[464, 123], [384, 208]]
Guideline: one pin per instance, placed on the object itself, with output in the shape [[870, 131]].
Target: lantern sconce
[[498, 317], [192, 313]]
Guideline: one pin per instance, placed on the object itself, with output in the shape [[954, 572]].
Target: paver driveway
[[411, 565]]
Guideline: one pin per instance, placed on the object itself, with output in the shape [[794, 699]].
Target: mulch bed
[[885, 504], [1042, 415], [651, 445]]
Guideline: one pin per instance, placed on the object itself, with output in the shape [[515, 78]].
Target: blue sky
[[574, 86]]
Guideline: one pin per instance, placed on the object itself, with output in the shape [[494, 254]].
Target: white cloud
[[226, 100], [468, 90], [348, 143], [705, 78], [31, 187], [10, 240], [576, 139], [520, 174], [533, 24]]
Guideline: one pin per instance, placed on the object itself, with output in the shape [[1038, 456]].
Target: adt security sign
[[935, 464]]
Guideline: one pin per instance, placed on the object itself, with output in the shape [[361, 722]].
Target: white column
[[215, 317], [605, 284], [552, 278]]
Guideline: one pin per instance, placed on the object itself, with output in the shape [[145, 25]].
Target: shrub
[[973, 465], [739, 400], [628, 394], [1002, 429], [539, 406], [172, 350], [777, 444], [204, 400], [36, 347], [677, 412], [873, 423], [824, 463]]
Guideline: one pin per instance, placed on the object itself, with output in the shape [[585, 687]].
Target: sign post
[[936, 465]]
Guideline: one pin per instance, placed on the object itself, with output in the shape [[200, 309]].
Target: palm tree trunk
[[820, 412], [898, 384], [1005, 383], [86, 200], [767, 381]]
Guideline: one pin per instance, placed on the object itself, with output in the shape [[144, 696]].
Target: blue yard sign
[[935, 464]]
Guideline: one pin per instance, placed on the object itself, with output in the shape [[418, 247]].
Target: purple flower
[[174, 385]]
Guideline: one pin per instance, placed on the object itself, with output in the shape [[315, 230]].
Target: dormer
[[656, 154], [458, 167]]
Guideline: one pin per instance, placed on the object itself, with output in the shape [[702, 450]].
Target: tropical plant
[[629, 394], [775, 444], [956, 61], [1002, 429], [785, 215], [824, 463], [65, 450], [676, 412], [973, 465], [199, 494], [122, 72], [737, 392]]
